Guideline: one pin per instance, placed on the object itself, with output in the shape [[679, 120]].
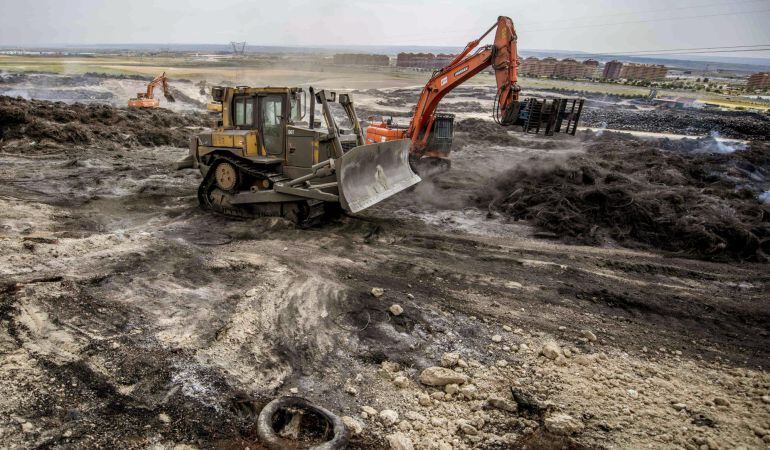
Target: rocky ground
[[130, 318]]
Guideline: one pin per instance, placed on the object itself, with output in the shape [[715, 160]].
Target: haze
[[592, 25]]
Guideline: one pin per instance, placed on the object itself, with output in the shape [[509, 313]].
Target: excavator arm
[[431, 133], [147, 99], [160, 80], [502, 56]]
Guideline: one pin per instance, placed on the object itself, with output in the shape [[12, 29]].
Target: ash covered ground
[[130, 318]]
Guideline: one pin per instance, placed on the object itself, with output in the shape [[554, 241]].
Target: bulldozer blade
[[368, 174]]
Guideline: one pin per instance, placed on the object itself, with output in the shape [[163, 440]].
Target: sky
[[599, 26]]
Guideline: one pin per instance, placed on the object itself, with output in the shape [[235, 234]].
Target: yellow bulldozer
[[270, 157]]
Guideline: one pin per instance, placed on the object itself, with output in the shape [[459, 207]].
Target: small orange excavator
[[431, 133], [147, 99]]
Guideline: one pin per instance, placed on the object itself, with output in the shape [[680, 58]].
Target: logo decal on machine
[[461, 71], [444, 80]]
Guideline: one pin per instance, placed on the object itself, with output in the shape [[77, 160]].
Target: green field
[[297, 70]]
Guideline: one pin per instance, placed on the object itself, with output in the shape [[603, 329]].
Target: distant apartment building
[[614, 70], [427, 61], [758, 81], [361, 59], [643, 71], [551, 67]]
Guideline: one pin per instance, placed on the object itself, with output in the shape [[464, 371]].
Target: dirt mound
[[486, 131], [93, 123], [693, 203]]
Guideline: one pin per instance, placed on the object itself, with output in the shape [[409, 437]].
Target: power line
[[697, 49], [665, 19], [572, 27], [708, 5], [767, 49]]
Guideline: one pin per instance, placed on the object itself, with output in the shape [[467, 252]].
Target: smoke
[[765, 197], [601, 129], [23, 93], [718, 145]]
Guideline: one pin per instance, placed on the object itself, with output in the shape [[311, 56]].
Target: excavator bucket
[[169, 97], [368, 174]]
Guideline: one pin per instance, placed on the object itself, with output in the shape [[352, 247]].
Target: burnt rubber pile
[[670, 196], [733, 124], [59, 123]]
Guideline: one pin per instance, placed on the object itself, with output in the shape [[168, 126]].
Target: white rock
[[501, 363], [352, 424], [450, 360], [551, 350], [497, 338], [451, 389], [468, 391], [438, 421], [396, 309], [388, 417], [633, 393], [766, 398], [588, 334], [563, 424], [507, 328], [163, 417], [401, 381], [424, 399], [378, 292], [437, 396], [441, 376], [410, 296], [390, 366], [679, 406], [369, 410], [468, 429], [399, 441], [294, 391]]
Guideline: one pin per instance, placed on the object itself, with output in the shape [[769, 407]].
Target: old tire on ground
[[269, 437]]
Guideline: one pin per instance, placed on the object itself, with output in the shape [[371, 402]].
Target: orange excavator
[[147, 99], [431, 132]]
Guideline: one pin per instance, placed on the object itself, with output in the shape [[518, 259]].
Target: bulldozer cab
[[267, 110]]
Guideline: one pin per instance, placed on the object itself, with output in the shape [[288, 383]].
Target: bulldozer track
[[309, 213]]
